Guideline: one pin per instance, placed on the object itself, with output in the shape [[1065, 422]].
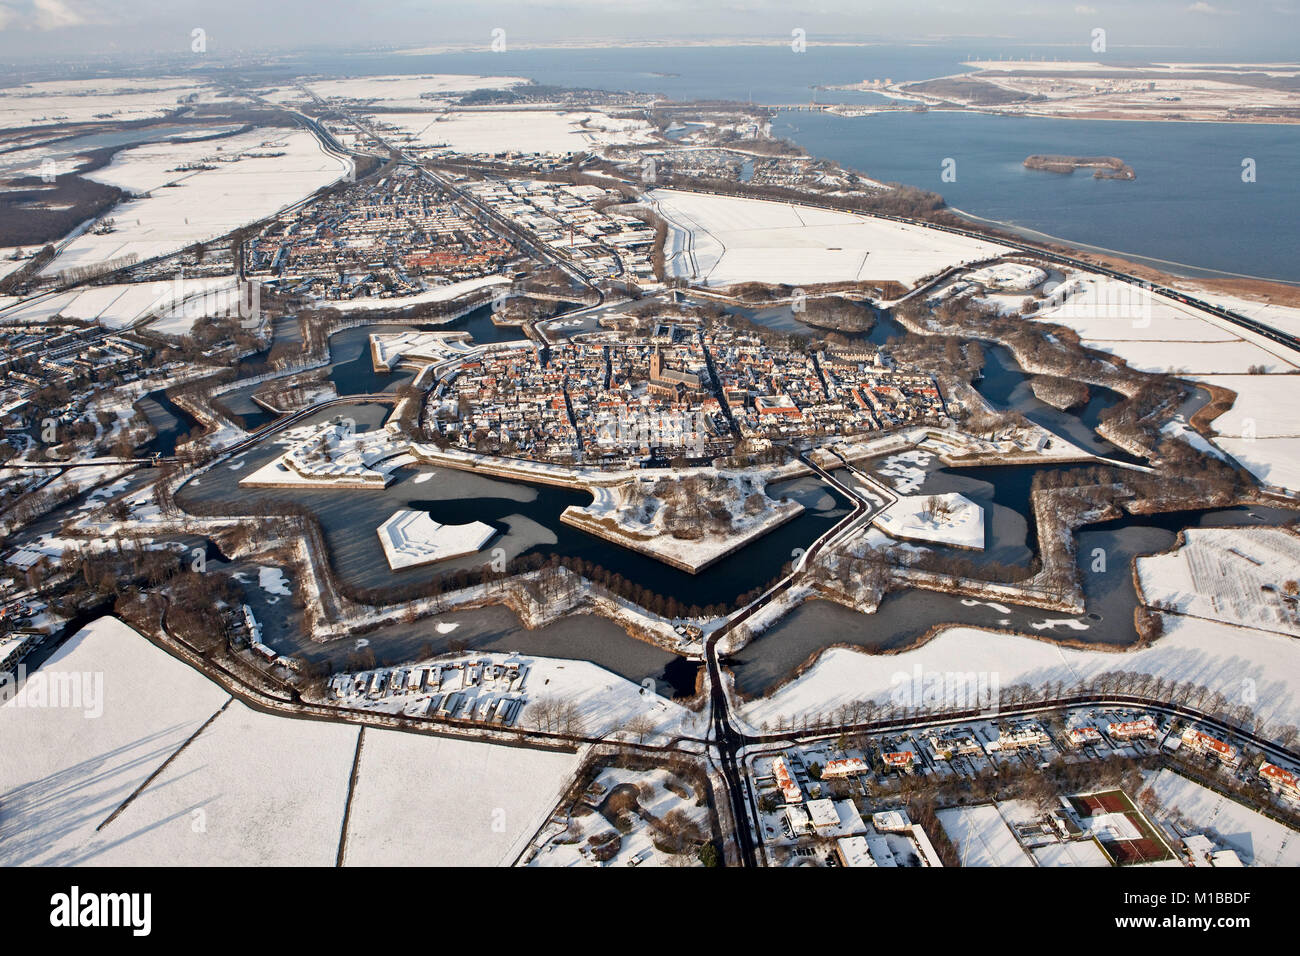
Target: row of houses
[[572, 222], [379, 239], [480, 690]]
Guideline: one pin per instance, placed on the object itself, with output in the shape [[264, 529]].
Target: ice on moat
[[906, 472], [273, 581]]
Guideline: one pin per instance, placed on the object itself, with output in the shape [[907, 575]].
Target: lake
[[1188, 204]]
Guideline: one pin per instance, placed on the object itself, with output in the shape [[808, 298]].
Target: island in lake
[[1104, 167]]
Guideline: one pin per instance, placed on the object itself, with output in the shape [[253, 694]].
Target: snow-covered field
[[1108, 310], [1202, 358], [720, 240], [248, 788], [1233, 575], [203, 203], [8, 263], [62, 774], [607, 701], [521, 131], [434, 801], [982, 837], [1072, 853], [253, 789], [1129, 321], [1265, 406], [81, 101], [400, 92], [1223, 658], [1284, 317], [1274, 461], [1258, 840], [122, 304], [1260, 430]]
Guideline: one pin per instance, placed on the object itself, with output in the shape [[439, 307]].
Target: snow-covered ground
[[1008, 276], [602, 702], [982, 837], [636, 518], [389, 348], [413, 538], [1120, 316], [9, 264], [123, 304], [521, 131], [400, 92], [1274, 461], [435, 801], [720, 240], [1226, 659], [1284, 317], [566, 841], [442, 293], [1155, 333], [252, 788], [1258, 840], [1233, 575], [332, 455], [1260, 430], [1070, 853], [953, 519], [1265, 406], [82, 101], [62, 774], [254, 174]]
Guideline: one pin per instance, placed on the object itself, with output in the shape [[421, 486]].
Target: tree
[[639, 727]]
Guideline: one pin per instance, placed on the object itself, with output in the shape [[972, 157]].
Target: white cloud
[[46, 15], [54, 14]]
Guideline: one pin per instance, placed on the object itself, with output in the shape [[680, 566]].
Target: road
[[726, 738]]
